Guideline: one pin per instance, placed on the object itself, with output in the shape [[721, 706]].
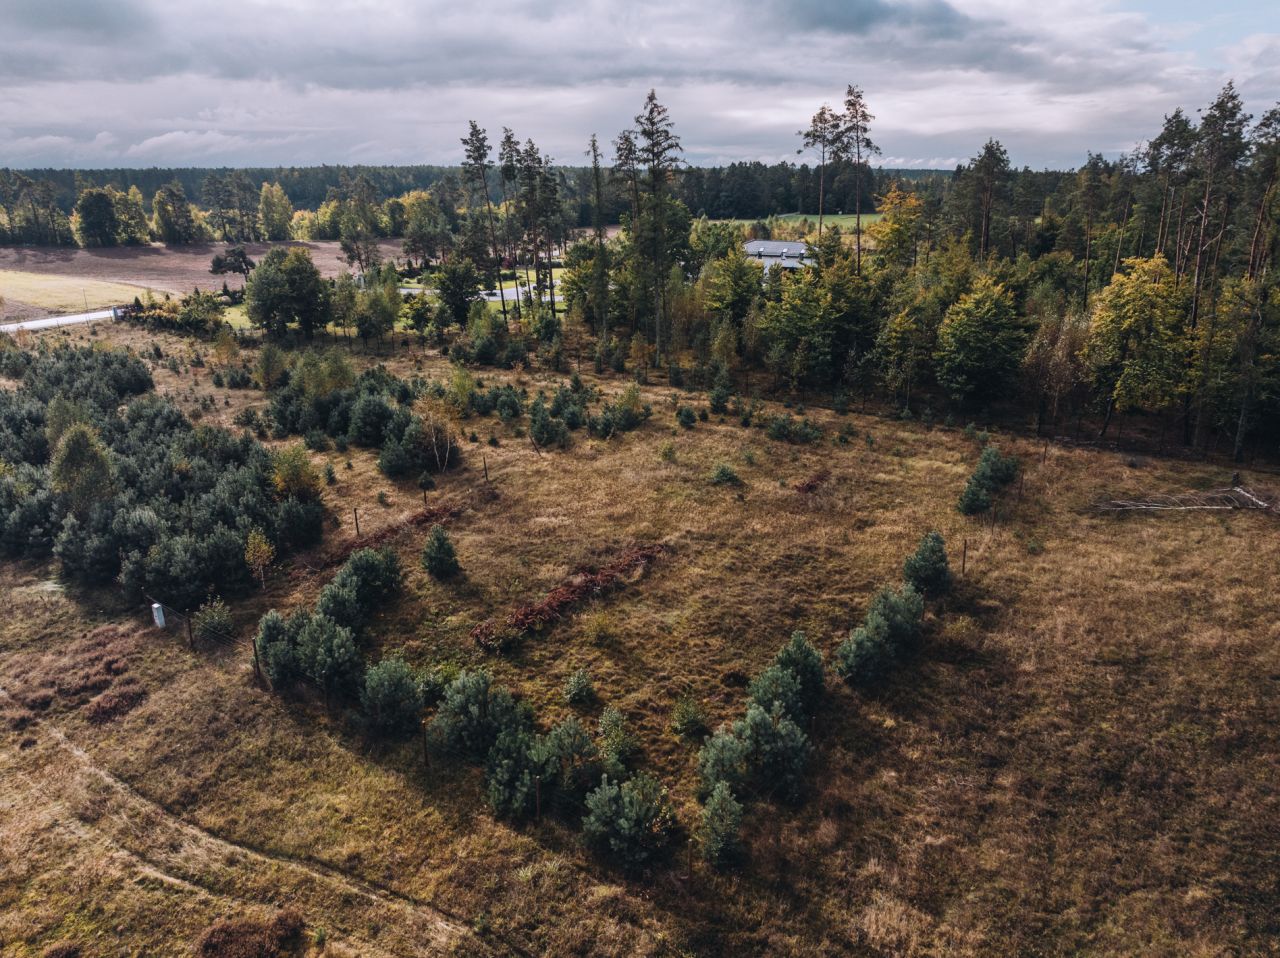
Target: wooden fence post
[[356, 514], [964, 557]]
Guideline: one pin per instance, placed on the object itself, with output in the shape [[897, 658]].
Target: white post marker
[[157, 614]]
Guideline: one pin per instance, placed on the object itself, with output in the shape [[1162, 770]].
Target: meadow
[[25, 294], [1081, 759], [45, 281]]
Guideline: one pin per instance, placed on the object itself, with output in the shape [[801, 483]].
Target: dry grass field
[[28, 294], [1082, 760], [40, 280]]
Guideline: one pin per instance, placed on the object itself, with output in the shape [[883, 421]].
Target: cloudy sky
[[155, 82]]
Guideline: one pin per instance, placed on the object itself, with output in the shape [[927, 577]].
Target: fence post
[[191, 636], [356, 514], [964, 557], [484, 460]]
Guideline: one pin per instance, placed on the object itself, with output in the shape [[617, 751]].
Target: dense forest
[[748, 190], [1140, 284]]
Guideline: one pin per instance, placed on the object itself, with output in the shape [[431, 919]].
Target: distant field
[[28, 293], [168, 269]]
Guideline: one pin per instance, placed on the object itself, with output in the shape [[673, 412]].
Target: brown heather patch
[[63, 950], [1081, 760], [93, 666], [251, 938], [122, 697]]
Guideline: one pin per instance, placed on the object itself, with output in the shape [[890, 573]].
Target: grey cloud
[[384, 81], [933, 18], [72, 18]]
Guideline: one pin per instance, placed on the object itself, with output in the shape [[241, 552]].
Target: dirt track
[[63, 792]]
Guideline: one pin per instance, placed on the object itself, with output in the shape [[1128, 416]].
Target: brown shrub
[[287, 926], [63, 949], [18, 718], [814, 482], [121, 698], [250, 938], [92, 665], [38, 700]]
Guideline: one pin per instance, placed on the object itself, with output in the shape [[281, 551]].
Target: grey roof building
[[788, 255]]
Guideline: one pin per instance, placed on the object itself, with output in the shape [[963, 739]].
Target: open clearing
[[1083, 760], [52, 280], [58, 294]]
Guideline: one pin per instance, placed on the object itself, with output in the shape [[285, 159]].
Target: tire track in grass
[[418, 925]]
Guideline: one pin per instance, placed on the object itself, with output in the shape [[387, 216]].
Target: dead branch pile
[[426, 517], [1235, 497], [814, 482], [583, 584]]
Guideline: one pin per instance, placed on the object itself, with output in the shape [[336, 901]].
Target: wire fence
[[186, 621]]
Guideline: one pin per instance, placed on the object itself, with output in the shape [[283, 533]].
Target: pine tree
[[826, 134], [630, 823], [438, 555], [865, 656], [275, 648], [857, 146], [778, 686], [509, 774], [720, 826], [802, 660], [390, 700], [328, 656], [927, 567]]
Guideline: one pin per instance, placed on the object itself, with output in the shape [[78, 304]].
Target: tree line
[[182, 206], [1135, 285]]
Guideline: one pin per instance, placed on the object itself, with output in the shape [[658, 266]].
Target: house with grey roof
[[771, 253]]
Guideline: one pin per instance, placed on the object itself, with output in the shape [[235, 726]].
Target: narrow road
[[50, 322], [488, 295]]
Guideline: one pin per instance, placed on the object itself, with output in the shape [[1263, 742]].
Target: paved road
[[49, 322], [489, 295]]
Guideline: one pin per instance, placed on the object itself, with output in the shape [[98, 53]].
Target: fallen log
[[1235, 497], [814, 482], [494, 635]]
